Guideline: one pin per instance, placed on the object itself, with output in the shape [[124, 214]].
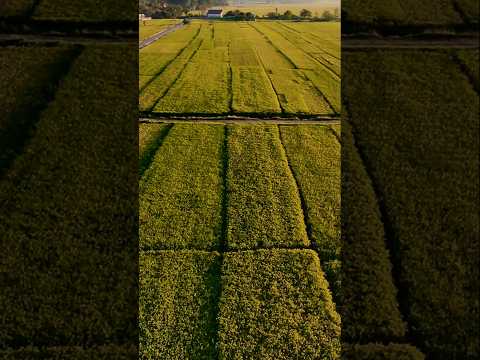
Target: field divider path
[[187, 62], [306, 219], [150, 40], [244, 120]]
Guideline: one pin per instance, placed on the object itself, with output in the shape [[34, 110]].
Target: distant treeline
[[175, 8], [159, 9]]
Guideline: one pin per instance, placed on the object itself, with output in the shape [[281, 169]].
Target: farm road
[[158, 35], [226, 120]]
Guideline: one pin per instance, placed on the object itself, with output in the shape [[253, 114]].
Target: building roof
[[215, 11]]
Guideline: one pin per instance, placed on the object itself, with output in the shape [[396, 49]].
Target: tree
[[327, 16], [272, 15], [305, 13], [287, 15]]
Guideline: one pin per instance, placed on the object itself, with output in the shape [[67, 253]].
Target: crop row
[[64, 10], [420, 148], [69, 202], [250, 304], [213, 67], [242, 170]]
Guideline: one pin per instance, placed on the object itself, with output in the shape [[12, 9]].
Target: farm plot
[[264, 208], [276, 304], [230, 189], [178, 295], [211, 69], [78, 266], [180, 193], [421, 154], [152, 27]]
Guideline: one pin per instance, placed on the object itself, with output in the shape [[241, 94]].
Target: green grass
[[152, 27], [69, 230], [381, 352], [252, 91], [314, 155], [421, 149], [180, 193], [264, 208], [178, 296], [275, 304]]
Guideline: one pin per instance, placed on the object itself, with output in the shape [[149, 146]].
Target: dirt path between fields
[[160, 34], [244, 120]]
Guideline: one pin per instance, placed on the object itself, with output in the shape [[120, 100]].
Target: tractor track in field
[[150, 40], [226, 120]]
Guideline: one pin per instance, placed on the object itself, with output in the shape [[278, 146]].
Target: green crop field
[[210, 67], [74, 273], [229, 265], [151, 27], [411, 173]]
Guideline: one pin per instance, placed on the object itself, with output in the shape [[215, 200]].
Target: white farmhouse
[[215, 13]]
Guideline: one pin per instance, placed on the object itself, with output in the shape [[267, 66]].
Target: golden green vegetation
[[180, 193], [230, 189], [151, 27], [178, 295], [74, 271], [206, 68], [421, 154], [275, 304], [264, 208]]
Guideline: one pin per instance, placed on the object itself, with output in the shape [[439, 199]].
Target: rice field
[[222, 225], [151, 27], [210, 68]]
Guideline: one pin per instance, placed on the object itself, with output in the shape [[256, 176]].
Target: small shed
[[215, 13]]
